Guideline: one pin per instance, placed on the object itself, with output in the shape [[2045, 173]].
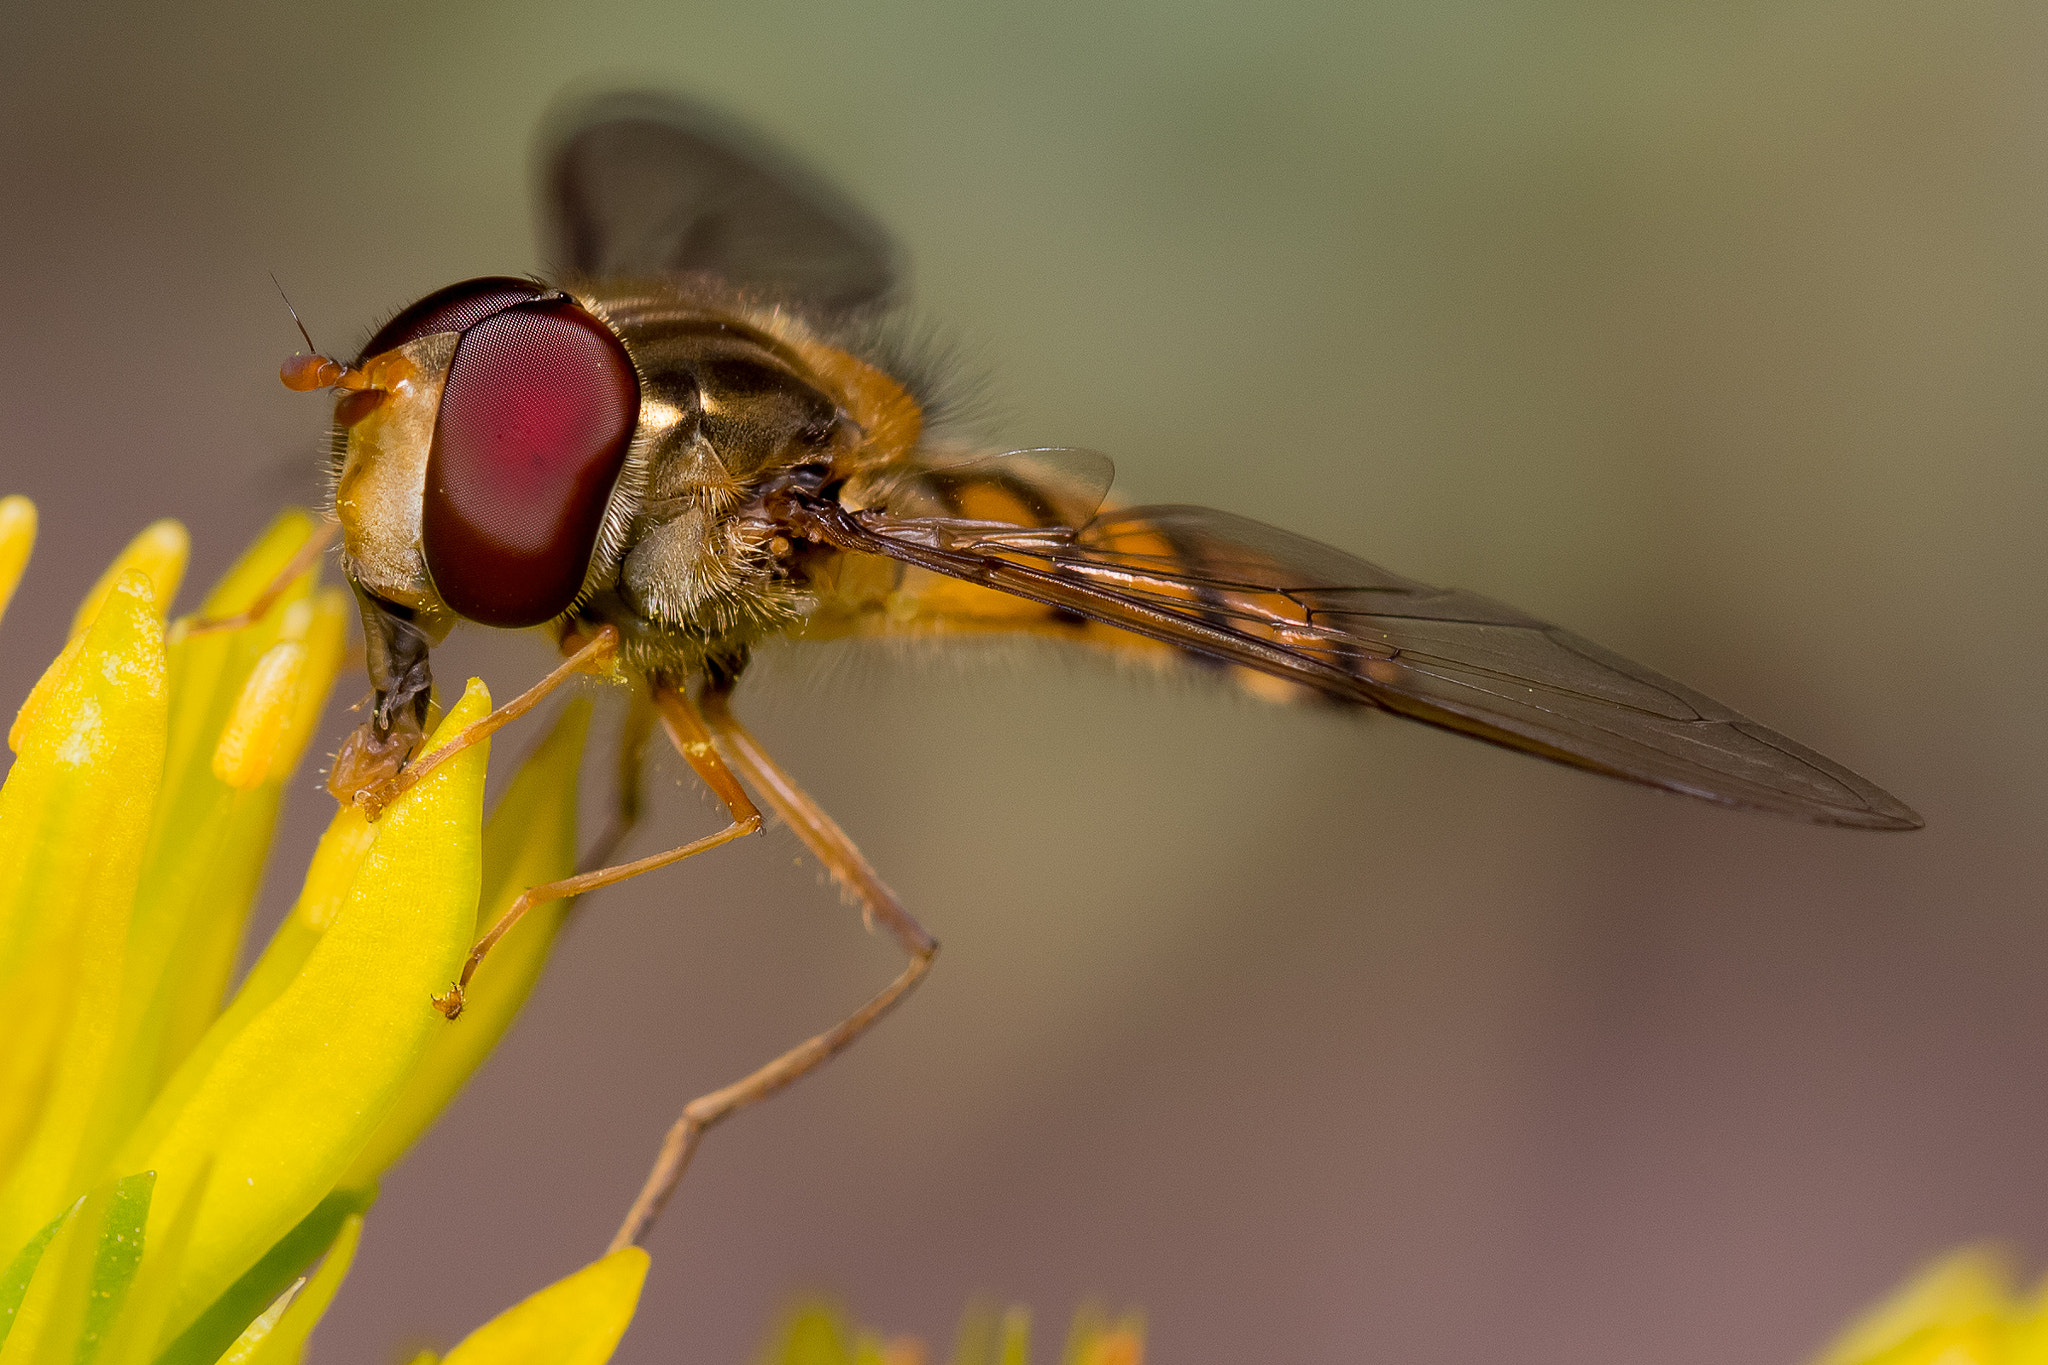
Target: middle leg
[[829, 844], [686, 731]]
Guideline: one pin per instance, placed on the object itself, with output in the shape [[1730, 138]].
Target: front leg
[[396, 651]]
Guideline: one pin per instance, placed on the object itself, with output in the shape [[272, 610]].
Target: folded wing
[[1233, 590]]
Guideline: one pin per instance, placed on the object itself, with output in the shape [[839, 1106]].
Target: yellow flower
[[173, 1160], [184, 1172], [1962, 1310], [818, 1334]]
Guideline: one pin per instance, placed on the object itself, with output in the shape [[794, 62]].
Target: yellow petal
[[158, 553], [1942, 1311], [1016, 1339], [530, 839], [812, 1333], [288, 1101], [248, 745], [209, 840], [17, 538], [282, 1267], [336, 860], [39, 695], [73, 819], [207, 670], [1092, 1339], [1122, 1345], [34, 1009], [326, 641], [574, 1321]]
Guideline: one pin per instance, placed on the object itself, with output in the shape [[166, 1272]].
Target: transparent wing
[[1239, 592], [640, 184]]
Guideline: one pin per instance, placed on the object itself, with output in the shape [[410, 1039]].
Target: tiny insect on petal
[[17, 538], [574, 1321]]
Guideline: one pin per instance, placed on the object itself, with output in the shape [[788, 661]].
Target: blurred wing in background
[[650, 184], [1236, 592]]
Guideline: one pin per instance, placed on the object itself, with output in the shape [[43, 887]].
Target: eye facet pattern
[[538, 410]]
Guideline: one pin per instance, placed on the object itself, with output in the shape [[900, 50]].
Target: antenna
[[303, 373], [295, 315]]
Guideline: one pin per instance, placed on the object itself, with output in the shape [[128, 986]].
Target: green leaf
[[530, 839], [132, 1338], [228, 1316], [53, 1310], [118, 1257], [574, 1321], [81, 1277], [280, 1338], [288, 1101], [15, 1279], [259, 1331]]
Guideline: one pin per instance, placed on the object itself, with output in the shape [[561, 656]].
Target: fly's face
[[508, 454], [480, 442]]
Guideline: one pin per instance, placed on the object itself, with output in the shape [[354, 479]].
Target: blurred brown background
[[1716, 332]]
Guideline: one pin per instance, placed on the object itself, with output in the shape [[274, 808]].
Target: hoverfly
[[692, 441]]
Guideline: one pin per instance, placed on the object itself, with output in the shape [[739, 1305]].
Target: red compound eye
[[538, 410], [452, 309]]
